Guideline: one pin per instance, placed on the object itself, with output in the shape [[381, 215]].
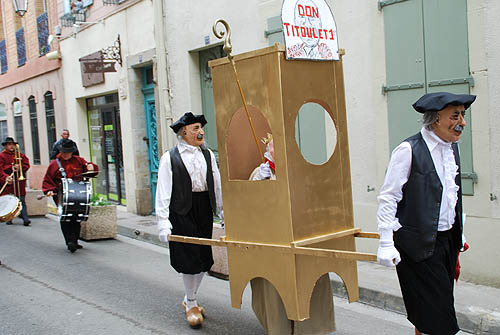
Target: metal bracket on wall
[[466, 80], [470, 175], [383, 3], [389, 88]]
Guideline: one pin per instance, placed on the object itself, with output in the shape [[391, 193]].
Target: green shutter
[[207, 96], [405, 68], [426, 51], [447, 62]]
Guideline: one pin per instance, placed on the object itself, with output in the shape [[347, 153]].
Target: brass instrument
[[18, 174], [20, 163]]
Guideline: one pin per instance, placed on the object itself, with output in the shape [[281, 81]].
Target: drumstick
[[3, 187], [40, 197]]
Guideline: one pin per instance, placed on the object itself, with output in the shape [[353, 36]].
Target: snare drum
[[10, 207], [74, 200]]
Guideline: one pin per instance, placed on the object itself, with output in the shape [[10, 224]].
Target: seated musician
[[73, 166]]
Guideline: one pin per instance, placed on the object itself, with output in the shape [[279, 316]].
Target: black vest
[[181, 199], [418, 211]]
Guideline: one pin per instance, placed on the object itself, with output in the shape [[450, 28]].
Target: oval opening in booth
[[315, 133], [242, 153]]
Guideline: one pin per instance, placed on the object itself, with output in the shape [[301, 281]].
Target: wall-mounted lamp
[[20, 6]]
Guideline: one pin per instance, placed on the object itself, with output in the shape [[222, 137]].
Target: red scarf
[[271, 164]]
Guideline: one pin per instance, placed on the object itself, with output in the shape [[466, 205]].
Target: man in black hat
[[10, 172], [55, 148], [188, 194], [420, 213], [72, 166]]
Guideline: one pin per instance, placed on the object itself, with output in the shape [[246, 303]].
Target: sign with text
[[310, 30], [91, 78]]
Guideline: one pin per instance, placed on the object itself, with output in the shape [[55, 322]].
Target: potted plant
[[102, 221]]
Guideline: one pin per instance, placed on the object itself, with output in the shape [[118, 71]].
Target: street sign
[[98, 66]]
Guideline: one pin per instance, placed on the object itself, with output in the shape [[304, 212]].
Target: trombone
[[19, 176]]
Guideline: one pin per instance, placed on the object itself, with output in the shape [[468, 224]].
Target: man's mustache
[[458, 128], [199, 136]]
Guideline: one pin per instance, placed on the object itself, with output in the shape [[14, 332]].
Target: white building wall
[[361, 32], [135, 27]]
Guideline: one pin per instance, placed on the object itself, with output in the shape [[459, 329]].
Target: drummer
[[73, 166], [10, 173]]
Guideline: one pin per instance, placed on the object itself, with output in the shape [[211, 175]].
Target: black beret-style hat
[[9, 140], [187, 119], [67, 145], [432, 102]]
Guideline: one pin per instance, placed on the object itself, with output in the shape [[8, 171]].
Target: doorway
[[151, 130], [106, 147]]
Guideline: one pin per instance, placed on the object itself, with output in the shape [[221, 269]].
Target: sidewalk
[[477, 307]]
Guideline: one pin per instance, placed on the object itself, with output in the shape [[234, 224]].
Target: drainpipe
[[164, 96]]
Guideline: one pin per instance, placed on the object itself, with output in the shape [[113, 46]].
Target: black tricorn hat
[[67, 146], [186, 119], [9, 140], [432, 102]]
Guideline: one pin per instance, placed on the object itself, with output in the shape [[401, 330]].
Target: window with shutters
[[18, 123], [34, 130], [426, 51], [3, 122], [50, 119]]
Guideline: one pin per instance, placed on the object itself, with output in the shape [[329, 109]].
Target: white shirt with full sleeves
[[398, 173], [195, 163]]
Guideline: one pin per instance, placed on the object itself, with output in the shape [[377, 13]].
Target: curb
[[474, 321]]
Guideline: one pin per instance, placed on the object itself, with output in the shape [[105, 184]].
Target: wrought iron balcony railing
[[3, 56], [42, 23], [21, 47], [69, 19]]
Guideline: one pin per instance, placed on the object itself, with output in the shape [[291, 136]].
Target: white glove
[[165, 228], [387, 254], [265, 170], [163, 236]]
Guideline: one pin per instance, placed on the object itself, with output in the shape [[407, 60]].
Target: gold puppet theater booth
[[296, 228]]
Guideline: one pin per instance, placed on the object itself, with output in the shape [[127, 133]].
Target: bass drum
[[74, 200], [10, 207]]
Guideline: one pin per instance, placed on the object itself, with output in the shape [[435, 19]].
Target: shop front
[[106, 147]]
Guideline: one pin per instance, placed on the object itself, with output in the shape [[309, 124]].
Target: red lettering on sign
[[309, 32], [297, 29], [331, 34], [320, 31], [287, 25], [308, 11], [314, 33], [315, 12], [301, 10], [303, 31]]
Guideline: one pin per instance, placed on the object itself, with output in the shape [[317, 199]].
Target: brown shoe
[[202, 310], [194, 317]]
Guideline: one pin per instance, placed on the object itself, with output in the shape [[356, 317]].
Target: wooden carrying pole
[[294, 248], [228, 48]]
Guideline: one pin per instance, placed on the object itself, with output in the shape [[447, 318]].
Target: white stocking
[[190, 284], [199, 278]]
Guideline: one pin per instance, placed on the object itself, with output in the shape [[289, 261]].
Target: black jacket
[[181, 199], [418, 210]]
